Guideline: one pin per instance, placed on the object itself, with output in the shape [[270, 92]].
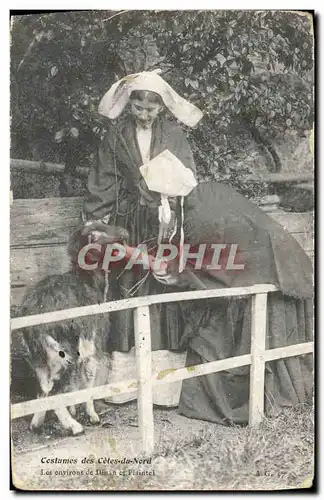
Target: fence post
[[258, 337], [144, 374]]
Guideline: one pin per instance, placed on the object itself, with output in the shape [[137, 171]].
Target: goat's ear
[[87, 348], [52, 343]]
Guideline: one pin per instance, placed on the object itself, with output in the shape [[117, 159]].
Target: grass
[[277, 455]]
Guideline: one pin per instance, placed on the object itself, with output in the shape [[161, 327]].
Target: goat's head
[[94, 232]]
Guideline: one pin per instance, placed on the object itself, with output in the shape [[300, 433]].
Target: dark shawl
[[116, 169], [215, 213]]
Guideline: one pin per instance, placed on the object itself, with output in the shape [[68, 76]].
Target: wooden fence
[[37, 230], [257, 358], [58, 169]]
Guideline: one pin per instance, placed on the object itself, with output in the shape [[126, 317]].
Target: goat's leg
[[88, 369], [68, 422], [92, 367], [72, 410], [38, 418], [91, 412], [46, 385]]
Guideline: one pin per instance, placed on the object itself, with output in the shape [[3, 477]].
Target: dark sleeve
[[184, 152], [104, 184]]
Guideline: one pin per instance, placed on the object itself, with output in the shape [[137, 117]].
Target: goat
[[72, 354]]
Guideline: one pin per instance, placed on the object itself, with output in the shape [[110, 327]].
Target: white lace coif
[[114, 101]]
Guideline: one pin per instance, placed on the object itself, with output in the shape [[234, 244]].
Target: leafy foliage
[[250, 72]]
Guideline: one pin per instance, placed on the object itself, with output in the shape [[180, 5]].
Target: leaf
[[54, 70], [194, 84], [187, 82], [288, 107], [39, 36], [221, 59], [59, 136], [74, 132]]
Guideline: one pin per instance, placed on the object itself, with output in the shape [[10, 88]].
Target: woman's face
[[145, 111]]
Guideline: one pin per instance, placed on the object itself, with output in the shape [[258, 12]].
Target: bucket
[[123, 367]]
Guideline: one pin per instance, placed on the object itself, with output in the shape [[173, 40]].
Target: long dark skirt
[[219, 329], [166, 319]]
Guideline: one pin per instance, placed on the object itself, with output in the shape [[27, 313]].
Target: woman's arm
[[181, 148], [186, 153], [105, 183]]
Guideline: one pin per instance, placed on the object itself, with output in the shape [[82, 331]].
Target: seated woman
[[119, 194], [221, 328]]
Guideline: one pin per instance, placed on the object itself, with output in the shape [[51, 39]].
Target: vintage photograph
[[162, 250]]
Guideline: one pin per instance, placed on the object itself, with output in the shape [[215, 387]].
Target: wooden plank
[[144, 374], [49, 168], [29, 265], [279, 178], [288, 351], [48, 221], [43, 222], [311, 256], [45, 168], [71, 398], [169, 376], [258, 336], [165, 377], [37, 224], [294, 222], [51, 402], [121, 305], [17, 295], [39, 234], [305, 240]]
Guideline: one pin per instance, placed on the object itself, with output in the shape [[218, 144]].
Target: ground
[[189, 454]]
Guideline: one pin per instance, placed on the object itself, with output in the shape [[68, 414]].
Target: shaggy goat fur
[[71, 354]]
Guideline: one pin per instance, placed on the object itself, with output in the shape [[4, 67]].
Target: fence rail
[[58, 169], [120, 305], [145, 381]]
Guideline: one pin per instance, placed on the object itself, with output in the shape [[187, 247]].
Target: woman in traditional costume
[[211, 214], [221, 328], [118, 195]]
